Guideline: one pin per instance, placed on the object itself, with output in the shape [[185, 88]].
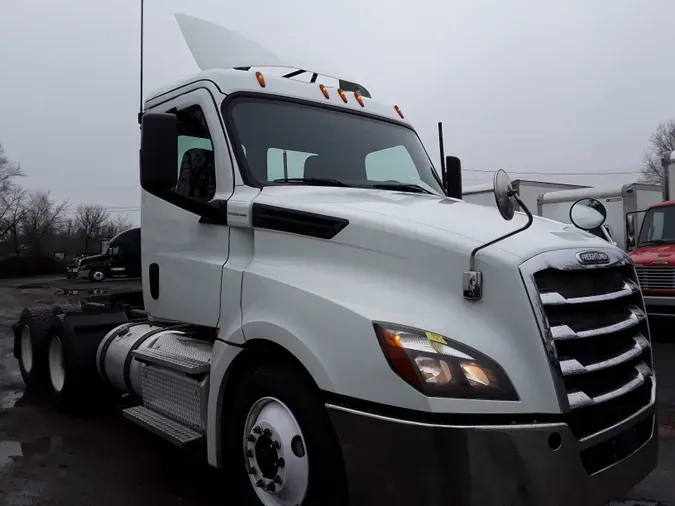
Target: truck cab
[[120, 258], [654, 258], [332, 328]]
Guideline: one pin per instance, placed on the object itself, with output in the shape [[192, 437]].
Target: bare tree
[[12, 221], [113, 227], [89, 221], [67, 227], [8, 188], [41, 218], [662, 141]]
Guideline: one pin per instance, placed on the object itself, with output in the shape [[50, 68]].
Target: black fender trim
[[296, 222]]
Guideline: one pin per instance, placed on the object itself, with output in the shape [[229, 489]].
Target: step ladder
[[186, 365], [173, 432]]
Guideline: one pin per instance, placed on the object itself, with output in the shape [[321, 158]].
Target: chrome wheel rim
[[57, 370], [26, 349], [275, 454], [98, 276]]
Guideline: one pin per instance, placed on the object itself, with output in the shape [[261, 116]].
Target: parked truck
[[651, 241], [528, 191], [333, 325], [121, 257], [618, 202]]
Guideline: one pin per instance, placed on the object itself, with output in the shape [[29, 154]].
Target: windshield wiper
[[409, 187], [319, 181]]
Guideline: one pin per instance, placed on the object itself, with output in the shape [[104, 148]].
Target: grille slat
[[598, 336], [635, 316], [555, 298], [656, 278], [573, 366]]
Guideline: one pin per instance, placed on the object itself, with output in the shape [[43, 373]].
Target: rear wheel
[[280, 443], [31, 344]]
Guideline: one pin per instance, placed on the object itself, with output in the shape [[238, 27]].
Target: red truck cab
[[654, 258]]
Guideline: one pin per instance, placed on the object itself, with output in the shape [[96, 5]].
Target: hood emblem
[[592, 258], [660, 262]]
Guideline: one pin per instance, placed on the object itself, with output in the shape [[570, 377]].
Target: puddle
[[10, 399], [78, 291], [11, 451], [30, 286]]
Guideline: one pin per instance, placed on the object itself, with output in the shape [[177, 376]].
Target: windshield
[[658, 226], [291, 143]]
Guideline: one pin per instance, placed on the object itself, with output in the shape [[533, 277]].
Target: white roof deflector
[[215, 47]]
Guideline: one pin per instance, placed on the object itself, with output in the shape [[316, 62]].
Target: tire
[[73, 383], [31, 341], [318, 447], [97, 275]]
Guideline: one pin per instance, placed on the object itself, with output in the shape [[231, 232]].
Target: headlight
[[439, 367]]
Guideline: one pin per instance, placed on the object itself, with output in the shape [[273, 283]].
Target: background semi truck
[[121, 257], [340, 335]]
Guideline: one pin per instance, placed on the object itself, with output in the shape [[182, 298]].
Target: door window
[[196, 163]]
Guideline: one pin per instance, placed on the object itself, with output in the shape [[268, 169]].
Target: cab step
[[172, 361], [174, 432]]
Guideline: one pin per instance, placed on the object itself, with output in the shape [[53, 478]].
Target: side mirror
[[630, 242], [588, 214], [630, 224], [453, 169], [159, 151], [504, 195]]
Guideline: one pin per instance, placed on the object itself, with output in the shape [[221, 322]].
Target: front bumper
[[398, 462], [660, 305], [83, 273]]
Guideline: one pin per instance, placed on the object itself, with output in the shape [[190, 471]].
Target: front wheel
[[97, 275], [280, 442]]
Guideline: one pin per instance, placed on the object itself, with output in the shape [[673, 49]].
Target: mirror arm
[[527, 225], [214, 212]]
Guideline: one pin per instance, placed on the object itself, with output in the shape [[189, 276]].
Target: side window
[[285, 163], [392, 163], [196, 163]]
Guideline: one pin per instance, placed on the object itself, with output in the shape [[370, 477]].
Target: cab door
[[182, 256]]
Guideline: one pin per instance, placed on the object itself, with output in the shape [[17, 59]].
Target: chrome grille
[[656, 278], [597, 337]]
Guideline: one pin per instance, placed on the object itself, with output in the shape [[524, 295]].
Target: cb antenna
[[140, 100]]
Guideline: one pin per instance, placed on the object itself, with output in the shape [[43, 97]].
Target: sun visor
[[216, 47]]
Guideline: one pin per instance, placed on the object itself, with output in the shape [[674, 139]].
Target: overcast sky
[[531, 86]]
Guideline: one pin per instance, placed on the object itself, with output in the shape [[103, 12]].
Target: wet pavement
[[50, 459]]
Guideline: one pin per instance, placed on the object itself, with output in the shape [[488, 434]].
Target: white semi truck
[[332, 327]]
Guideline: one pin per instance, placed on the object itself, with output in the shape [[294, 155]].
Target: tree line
[[29, 218]]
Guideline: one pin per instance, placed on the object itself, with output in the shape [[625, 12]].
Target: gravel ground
[[50, 459]]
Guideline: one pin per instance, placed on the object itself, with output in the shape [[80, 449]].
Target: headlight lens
[[439, 367]]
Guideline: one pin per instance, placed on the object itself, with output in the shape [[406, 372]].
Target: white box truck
[[529, 191], [332, 327], [618, 201]]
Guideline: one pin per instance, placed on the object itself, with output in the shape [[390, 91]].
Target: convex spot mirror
[[588, 214], [504, 195]]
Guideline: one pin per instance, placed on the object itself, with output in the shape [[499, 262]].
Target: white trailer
[[332, 328], [529, 191], [618, 202]]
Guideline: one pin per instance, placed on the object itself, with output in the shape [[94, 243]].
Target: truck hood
[[92, 258], [661, 254], [462, 226]]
